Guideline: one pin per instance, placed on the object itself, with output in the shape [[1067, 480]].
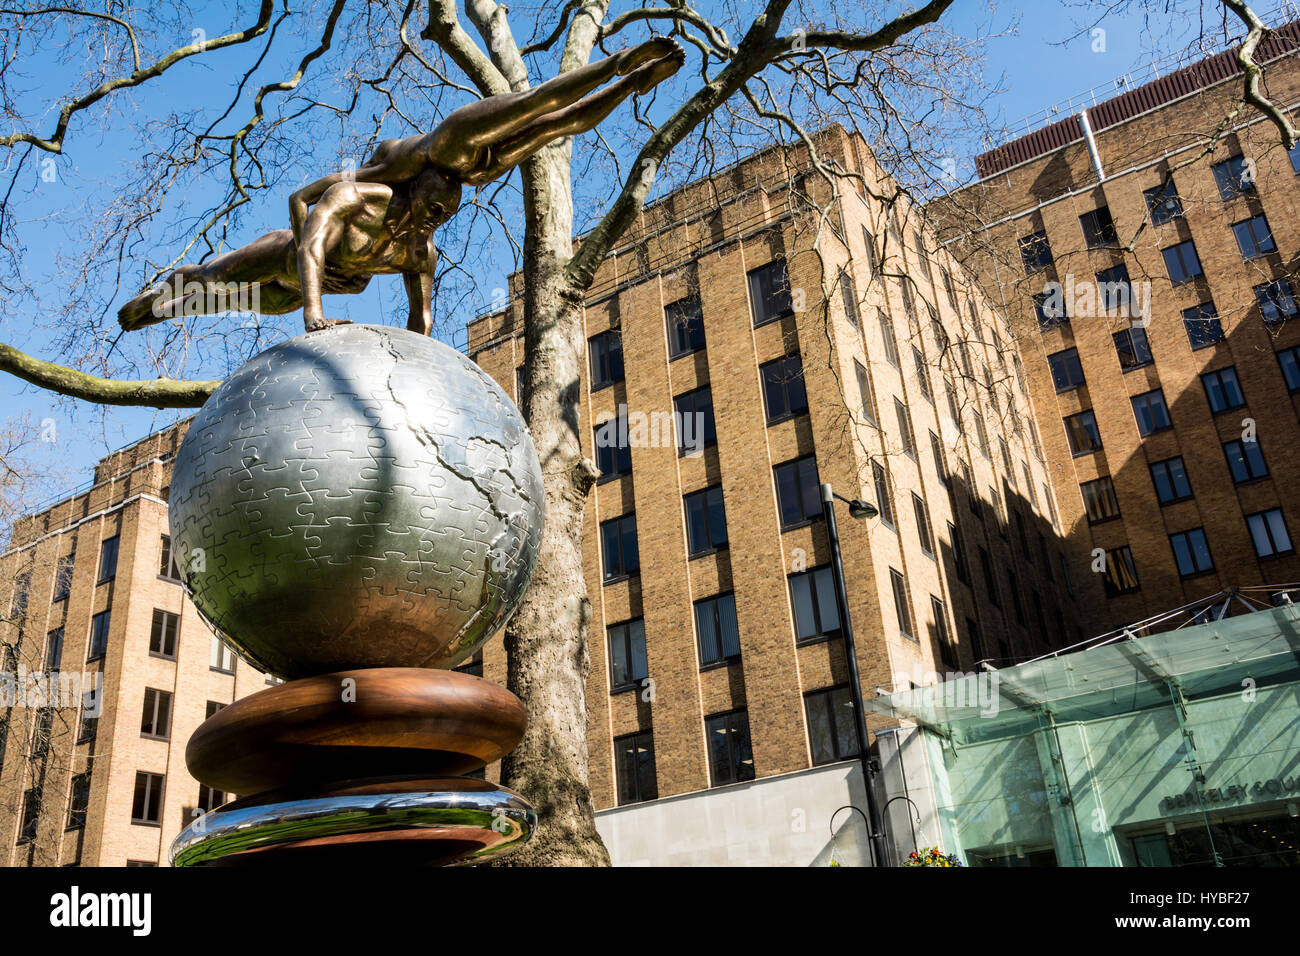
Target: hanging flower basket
[[931, 856]]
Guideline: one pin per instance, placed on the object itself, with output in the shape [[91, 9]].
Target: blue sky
[[1033, 67]]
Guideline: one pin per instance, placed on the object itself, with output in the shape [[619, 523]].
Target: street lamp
[[857, 509]]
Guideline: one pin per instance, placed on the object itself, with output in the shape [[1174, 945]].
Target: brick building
[[797, 339], [94, 774], [1171, 436]]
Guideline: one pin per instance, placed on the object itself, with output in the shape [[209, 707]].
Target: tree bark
[[546, 639]]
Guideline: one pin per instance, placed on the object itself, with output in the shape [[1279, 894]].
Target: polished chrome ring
[[497, 818]]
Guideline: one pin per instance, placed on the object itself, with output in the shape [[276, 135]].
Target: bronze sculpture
[[380, 219]]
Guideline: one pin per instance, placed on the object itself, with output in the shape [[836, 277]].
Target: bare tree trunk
[[546, 640]]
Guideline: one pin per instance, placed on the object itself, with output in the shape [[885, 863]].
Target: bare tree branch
[[54, 143], [155, 393]]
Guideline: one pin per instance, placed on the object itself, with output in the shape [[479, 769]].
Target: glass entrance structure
[[1180, 748]]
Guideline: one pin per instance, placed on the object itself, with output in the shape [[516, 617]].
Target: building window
[[953, 414], [1099, 499], [606, 351], [618, 547], [816, 607], [884, 494], [960, 565], [54, 649], [905, 429], [1132, 347], [1120, 572], [867, 393], [162, 638], [634, 763], [215, 706], [157, 717], [706, 521], [718, 630], [1170, 479], [1268, 532], [940, 459], [1203, 326], [1223, 390], [89, 723], [1191, 552], [887, 334], [627, 658], [1049, 308], [1289, 361], [783, 388], [31, 816], [167, 567], [850, 296], [685, 327], [922, 375], [986, 566], [1067, 371], [694, 416], [730, 758], [982, 435], [832, 725], [613, 450], [923, 524], [1114, 291], [1182, 262], [939, 633], [909, 304], [902, 604], [920, 255], [79, 801], [769, 292], [869, 243], [210, 799], [1017, 601], [1254, 238], [1163, 204], [108, 559], [949, 289], [1098, 228], [1234, 177], [1035, 252], [798, 491], [221, 657], [1276, 301], [63, 578], [1151, 412], [1245, 461], [98, 636], [146, 808], [1081, 430]]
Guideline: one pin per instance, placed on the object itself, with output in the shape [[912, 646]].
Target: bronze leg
[[575, 118], [260, 263], [496, 118]]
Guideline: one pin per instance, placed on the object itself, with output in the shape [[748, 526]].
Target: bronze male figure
[[380, 219]]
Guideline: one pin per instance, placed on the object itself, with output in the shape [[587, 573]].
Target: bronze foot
[[644, 53], [322, 323]]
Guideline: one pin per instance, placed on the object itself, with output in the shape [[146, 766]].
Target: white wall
[[776, 821]]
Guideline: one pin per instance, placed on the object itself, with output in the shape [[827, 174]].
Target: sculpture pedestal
[[359, 766]]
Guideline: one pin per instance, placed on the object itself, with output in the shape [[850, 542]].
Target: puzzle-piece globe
[[361, 496]]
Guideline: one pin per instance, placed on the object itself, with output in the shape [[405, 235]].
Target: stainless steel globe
[[360, 496]]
